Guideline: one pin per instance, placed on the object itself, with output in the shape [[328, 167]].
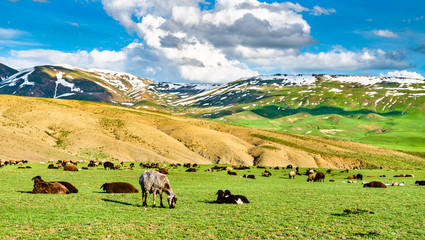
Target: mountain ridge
[[382, 111]]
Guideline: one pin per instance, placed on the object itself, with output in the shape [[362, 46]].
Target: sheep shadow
[[119, 202], [25, 192]]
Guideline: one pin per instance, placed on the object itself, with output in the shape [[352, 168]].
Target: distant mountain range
[[383, 111]]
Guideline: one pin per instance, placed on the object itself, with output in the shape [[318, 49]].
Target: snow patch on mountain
[[15, 78], [63, 82]]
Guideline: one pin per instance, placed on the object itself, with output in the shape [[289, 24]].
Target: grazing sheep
[[186, 165], [374, 184], [191, 170], [297, 169], [91, 164], [119, 165], [41, 186], [309, 171], [266, 174], [70, 167], [109, 165], [163, 170], [195, 165], [292, 174], [359, 176], [119, 187], [249, 176], [156, 183], [420, 183], [319, 177], [329, 171], [311, 177]]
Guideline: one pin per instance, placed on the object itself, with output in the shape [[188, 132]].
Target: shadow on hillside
[[119, 202]]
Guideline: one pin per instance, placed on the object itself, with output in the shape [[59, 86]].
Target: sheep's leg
[[144, 197], [160, 198], [154, 198]]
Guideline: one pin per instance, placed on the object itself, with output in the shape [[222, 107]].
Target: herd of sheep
[[155, 181]]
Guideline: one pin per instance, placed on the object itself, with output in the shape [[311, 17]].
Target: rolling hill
[[381, 111], [40, 129]]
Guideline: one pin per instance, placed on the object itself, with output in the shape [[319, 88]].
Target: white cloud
[[201, 44], [8, 33], [385, 33], [317, 11], [231, 40], [403, 73]]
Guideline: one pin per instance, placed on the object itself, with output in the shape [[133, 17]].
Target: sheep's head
[[104, 186], [37, 178], [172, 199]]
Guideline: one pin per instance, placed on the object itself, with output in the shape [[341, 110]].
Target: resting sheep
[[156, 183], [191, 170], [119, 187], [41, 186], [70, 167], [69, 186], [420, 183], [249, 176], [227, 197], [374, 184]]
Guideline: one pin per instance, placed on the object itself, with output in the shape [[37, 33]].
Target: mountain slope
[[381, 111], [41, 129], [6, 71]]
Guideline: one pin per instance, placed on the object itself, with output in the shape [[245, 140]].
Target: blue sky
[[216, 41]]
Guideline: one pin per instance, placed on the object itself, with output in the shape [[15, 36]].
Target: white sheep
[[154, 182]]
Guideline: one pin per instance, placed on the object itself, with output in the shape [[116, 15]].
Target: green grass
[[279, 208]]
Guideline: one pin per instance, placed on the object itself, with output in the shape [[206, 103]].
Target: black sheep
[[420, 183], [227, 193], [109, 165]]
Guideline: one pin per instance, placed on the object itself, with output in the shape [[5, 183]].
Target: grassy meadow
[[279, 208]]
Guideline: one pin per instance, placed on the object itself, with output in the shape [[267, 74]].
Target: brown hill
[[39, 129]]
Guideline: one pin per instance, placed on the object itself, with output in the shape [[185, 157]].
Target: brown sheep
[[375, 184], [319, 177], [119, 187], [266, 173], [311, 177], [41, 186], [191, 170], [163, 170], [249, 176], [70, 167], [352, 177], [232, 173], [69, 186], [292, 174]]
